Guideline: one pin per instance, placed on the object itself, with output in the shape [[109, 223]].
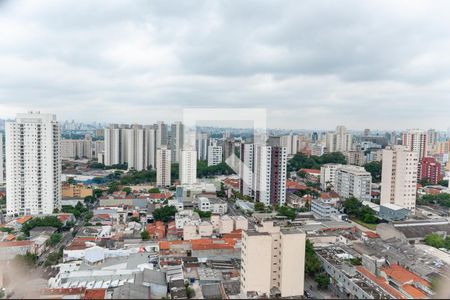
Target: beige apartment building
[[76, 191], [273, 261], [399, 177]]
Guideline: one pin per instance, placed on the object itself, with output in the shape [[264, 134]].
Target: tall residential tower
[[33, 164]]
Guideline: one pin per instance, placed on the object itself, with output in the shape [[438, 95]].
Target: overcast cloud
[[312, 64]]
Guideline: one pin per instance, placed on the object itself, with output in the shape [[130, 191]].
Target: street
[[311, 286]]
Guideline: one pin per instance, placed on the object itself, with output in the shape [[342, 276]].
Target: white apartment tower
[[263, 172], [135, 147], [214, 154], [33, 164], [416, 140], [2, 178], [112, 145], [291, 142], [273, 261], [188, 166], [353, 181], [339, 141], [328, 176], [201, 145], [399, 177], [177, 140], [162, 135], [163, 166]]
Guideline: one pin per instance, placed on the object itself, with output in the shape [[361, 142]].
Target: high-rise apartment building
[[162, 135], [338, 141], [214, 153], [150, 146], [353, 181], [188, 166], [163, 166], [201, 145], [273, 261], [112, 145], [430, 169], [416, 140], [135, 141], [2, 178], [328, 176], [33, 164], [291, 142], [76, 149], [263, 172], [399, 177], [134, 145], [176, 140]]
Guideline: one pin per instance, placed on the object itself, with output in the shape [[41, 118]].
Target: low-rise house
[[9, 250], [226, 224]]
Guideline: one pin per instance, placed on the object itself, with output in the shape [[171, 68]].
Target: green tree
[[287, 212], [425, 182], [443, 182], [145, 236], [323, 280], [203, 214], [164, 213], [154, 191], [51, 221], [260, 207], [113, 187], [54, 239], [352, 206], [127, 190], [312, 262], [374, 168], [434, 240]]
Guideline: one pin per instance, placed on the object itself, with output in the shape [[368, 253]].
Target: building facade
[[273, 261], [328, 176], [430, 169], [263, 171], [353, 181], [399, 177], [188, 166], [2, 178], [164, 157], [214, 154], [33, 164]]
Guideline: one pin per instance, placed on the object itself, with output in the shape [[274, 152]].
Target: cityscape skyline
[[372, 67]]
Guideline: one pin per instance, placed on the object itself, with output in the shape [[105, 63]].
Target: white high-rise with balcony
[[273, 261], [1, 159], [399, 177], [163, 166], [176, 140], [214, 154], [188, 165], [353, 181], [33, 164]]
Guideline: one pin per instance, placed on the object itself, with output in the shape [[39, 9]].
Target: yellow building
[[76, 191]]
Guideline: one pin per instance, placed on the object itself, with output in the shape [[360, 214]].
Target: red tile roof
[[403, 276], [160, 195], [371, 235], [293, 185], [15, 244], [95, 294], [79, 243], [209, 244], [23, 219], [381, 282], [311, 171], [414, 292]]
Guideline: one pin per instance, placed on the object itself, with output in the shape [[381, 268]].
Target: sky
[[310, 64]]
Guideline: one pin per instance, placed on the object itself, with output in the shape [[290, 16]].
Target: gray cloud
[[312, 64]]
